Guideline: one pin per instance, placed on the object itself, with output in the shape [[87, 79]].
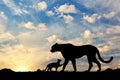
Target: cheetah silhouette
[[53, 65], [71, 52]]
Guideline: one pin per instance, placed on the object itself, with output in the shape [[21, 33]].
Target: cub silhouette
[[71, 52], [53, 65]]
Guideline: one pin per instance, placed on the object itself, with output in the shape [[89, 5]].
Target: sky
[[28, 29]]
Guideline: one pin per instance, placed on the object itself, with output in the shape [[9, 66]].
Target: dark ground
[[108, 74]]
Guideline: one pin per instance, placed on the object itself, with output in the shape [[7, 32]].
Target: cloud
[[17, 48], [31, 25], [66, 8], [87, 37], [104, 49], [102, 6], [33, 38], [6, 36], [113, 36], [109, 15], [107, 39], [27, 39], [92, 18], [42, 6], [50, 13], [87, 34], [3, 20], [68, 18], [14, 8], [42, 26], [113, 30], [64, 11], [53, 39]]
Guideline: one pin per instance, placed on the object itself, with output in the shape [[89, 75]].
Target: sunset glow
[[22, 69]]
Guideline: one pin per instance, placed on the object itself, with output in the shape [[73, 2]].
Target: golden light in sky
[[22, 68]]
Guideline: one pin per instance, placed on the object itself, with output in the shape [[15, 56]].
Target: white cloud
[[18, 48], [3, 20], [31, 25], [87, 37], [89, 19], [113, 30], [50, 13], [108, 40], [14, 8], [42, 26], [104, 5], [87, 34], [113, 38], [92, 18], [33, 38], [54, 39], [6, 36], [109, 15], [28, 39], [66, 8], [42, 6], [104, 49], [68, 18], [64, 12]]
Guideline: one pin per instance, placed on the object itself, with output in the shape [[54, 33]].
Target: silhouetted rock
[[108, 70], [39, 70], [6, 70]]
